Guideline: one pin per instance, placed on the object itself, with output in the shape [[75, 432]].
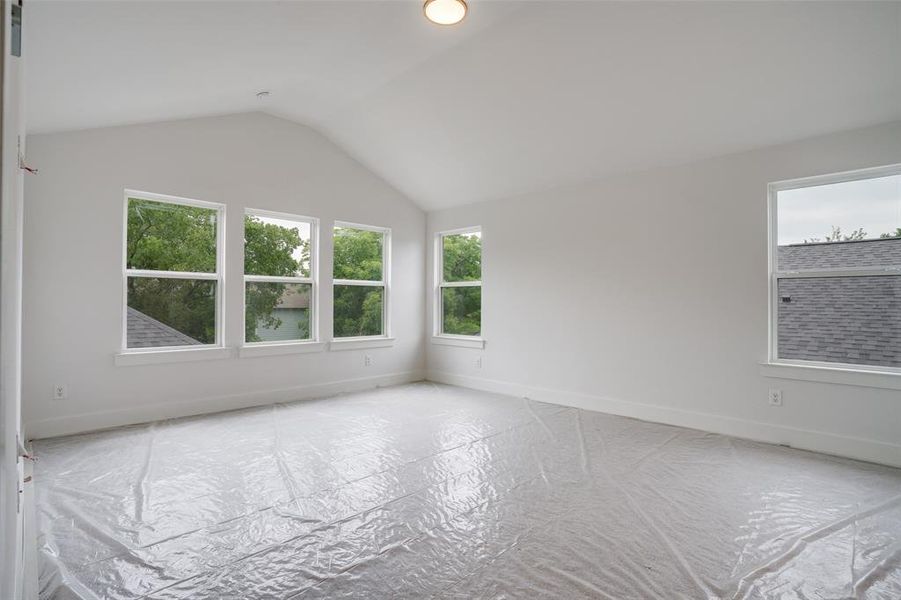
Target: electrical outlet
[[60, 392], [367, 360], [478, 363], [775, 397]]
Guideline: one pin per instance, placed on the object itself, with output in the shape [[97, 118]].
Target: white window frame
[[288, 346], [438, 334], [217, 349], [831, 372], [366, 341]]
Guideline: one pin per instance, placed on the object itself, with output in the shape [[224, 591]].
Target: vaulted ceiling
[[521, 96]]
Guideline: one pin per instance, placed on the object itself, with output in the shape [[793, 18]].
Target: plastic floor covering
[[428, 491]]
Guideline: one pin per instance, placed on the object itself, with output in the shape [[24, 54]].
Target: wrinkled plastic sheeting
[[427, 491]]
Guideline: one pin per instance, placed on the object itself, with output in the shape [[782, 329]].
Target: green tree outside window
[[461, 306], [358, 256], [164, 236]]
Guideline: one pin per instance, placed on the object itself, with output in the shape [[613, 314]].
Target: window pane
[[358, 254], [170, 237], [853, 320], [849, 224], [462, 255], [276, 312], [170, 312], [358, 310], [461, 310], [276, 247]]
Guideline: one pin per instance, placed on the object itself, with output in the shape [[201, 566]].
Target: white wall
[[646, 295], [73, 246]]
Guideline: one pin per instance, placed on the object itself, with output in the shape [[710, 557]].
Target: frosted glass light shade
[[444, 12]]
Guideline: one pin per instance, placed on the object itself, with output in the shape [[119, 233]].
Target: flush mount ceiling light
[[444, 12]]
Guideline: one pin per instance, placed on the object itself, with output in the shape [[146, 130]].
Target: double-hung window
[[361, 280], [458, 302], [835, 264], [279, 278], [172, 275]]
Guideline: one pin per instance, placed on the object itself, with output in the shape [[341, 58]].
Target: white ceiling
[[521, 96]]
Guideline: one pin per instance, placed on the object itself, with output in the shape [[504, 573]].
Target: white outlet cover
[[776, 397], [60, 392]]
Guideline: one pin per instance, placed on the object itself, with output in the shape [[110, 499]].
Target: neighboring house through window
[[172, 277], [458, 305], [836, 270], [361, 280], [279, 277]]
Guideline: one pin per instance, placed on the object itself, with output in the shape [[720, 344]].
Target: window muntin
[[459, 293], [835, 264], [172, 272], [279, 278], [360, 287]]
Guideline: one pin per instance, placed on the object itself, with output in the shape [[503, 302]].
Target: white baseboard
[[817, 441], [45, 428], [805, 439]]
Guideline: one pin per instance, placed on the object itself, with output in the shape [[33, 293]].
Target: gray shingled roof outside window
[[855, 320], [146, 332], [839, 255]]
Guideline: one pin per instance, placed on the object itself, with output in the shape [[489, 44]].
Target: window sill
[[278, 348], [153, 357], [460, 341], [838, 375], [361, 343]]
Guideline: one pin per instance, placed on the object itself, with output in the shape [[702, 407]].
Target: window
[[361, 261], [279, 278], [172, 272], [459, 290], [836, 270]]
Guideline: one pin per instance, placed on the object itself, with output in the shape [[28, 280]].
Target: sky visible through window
[[873, 205]]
